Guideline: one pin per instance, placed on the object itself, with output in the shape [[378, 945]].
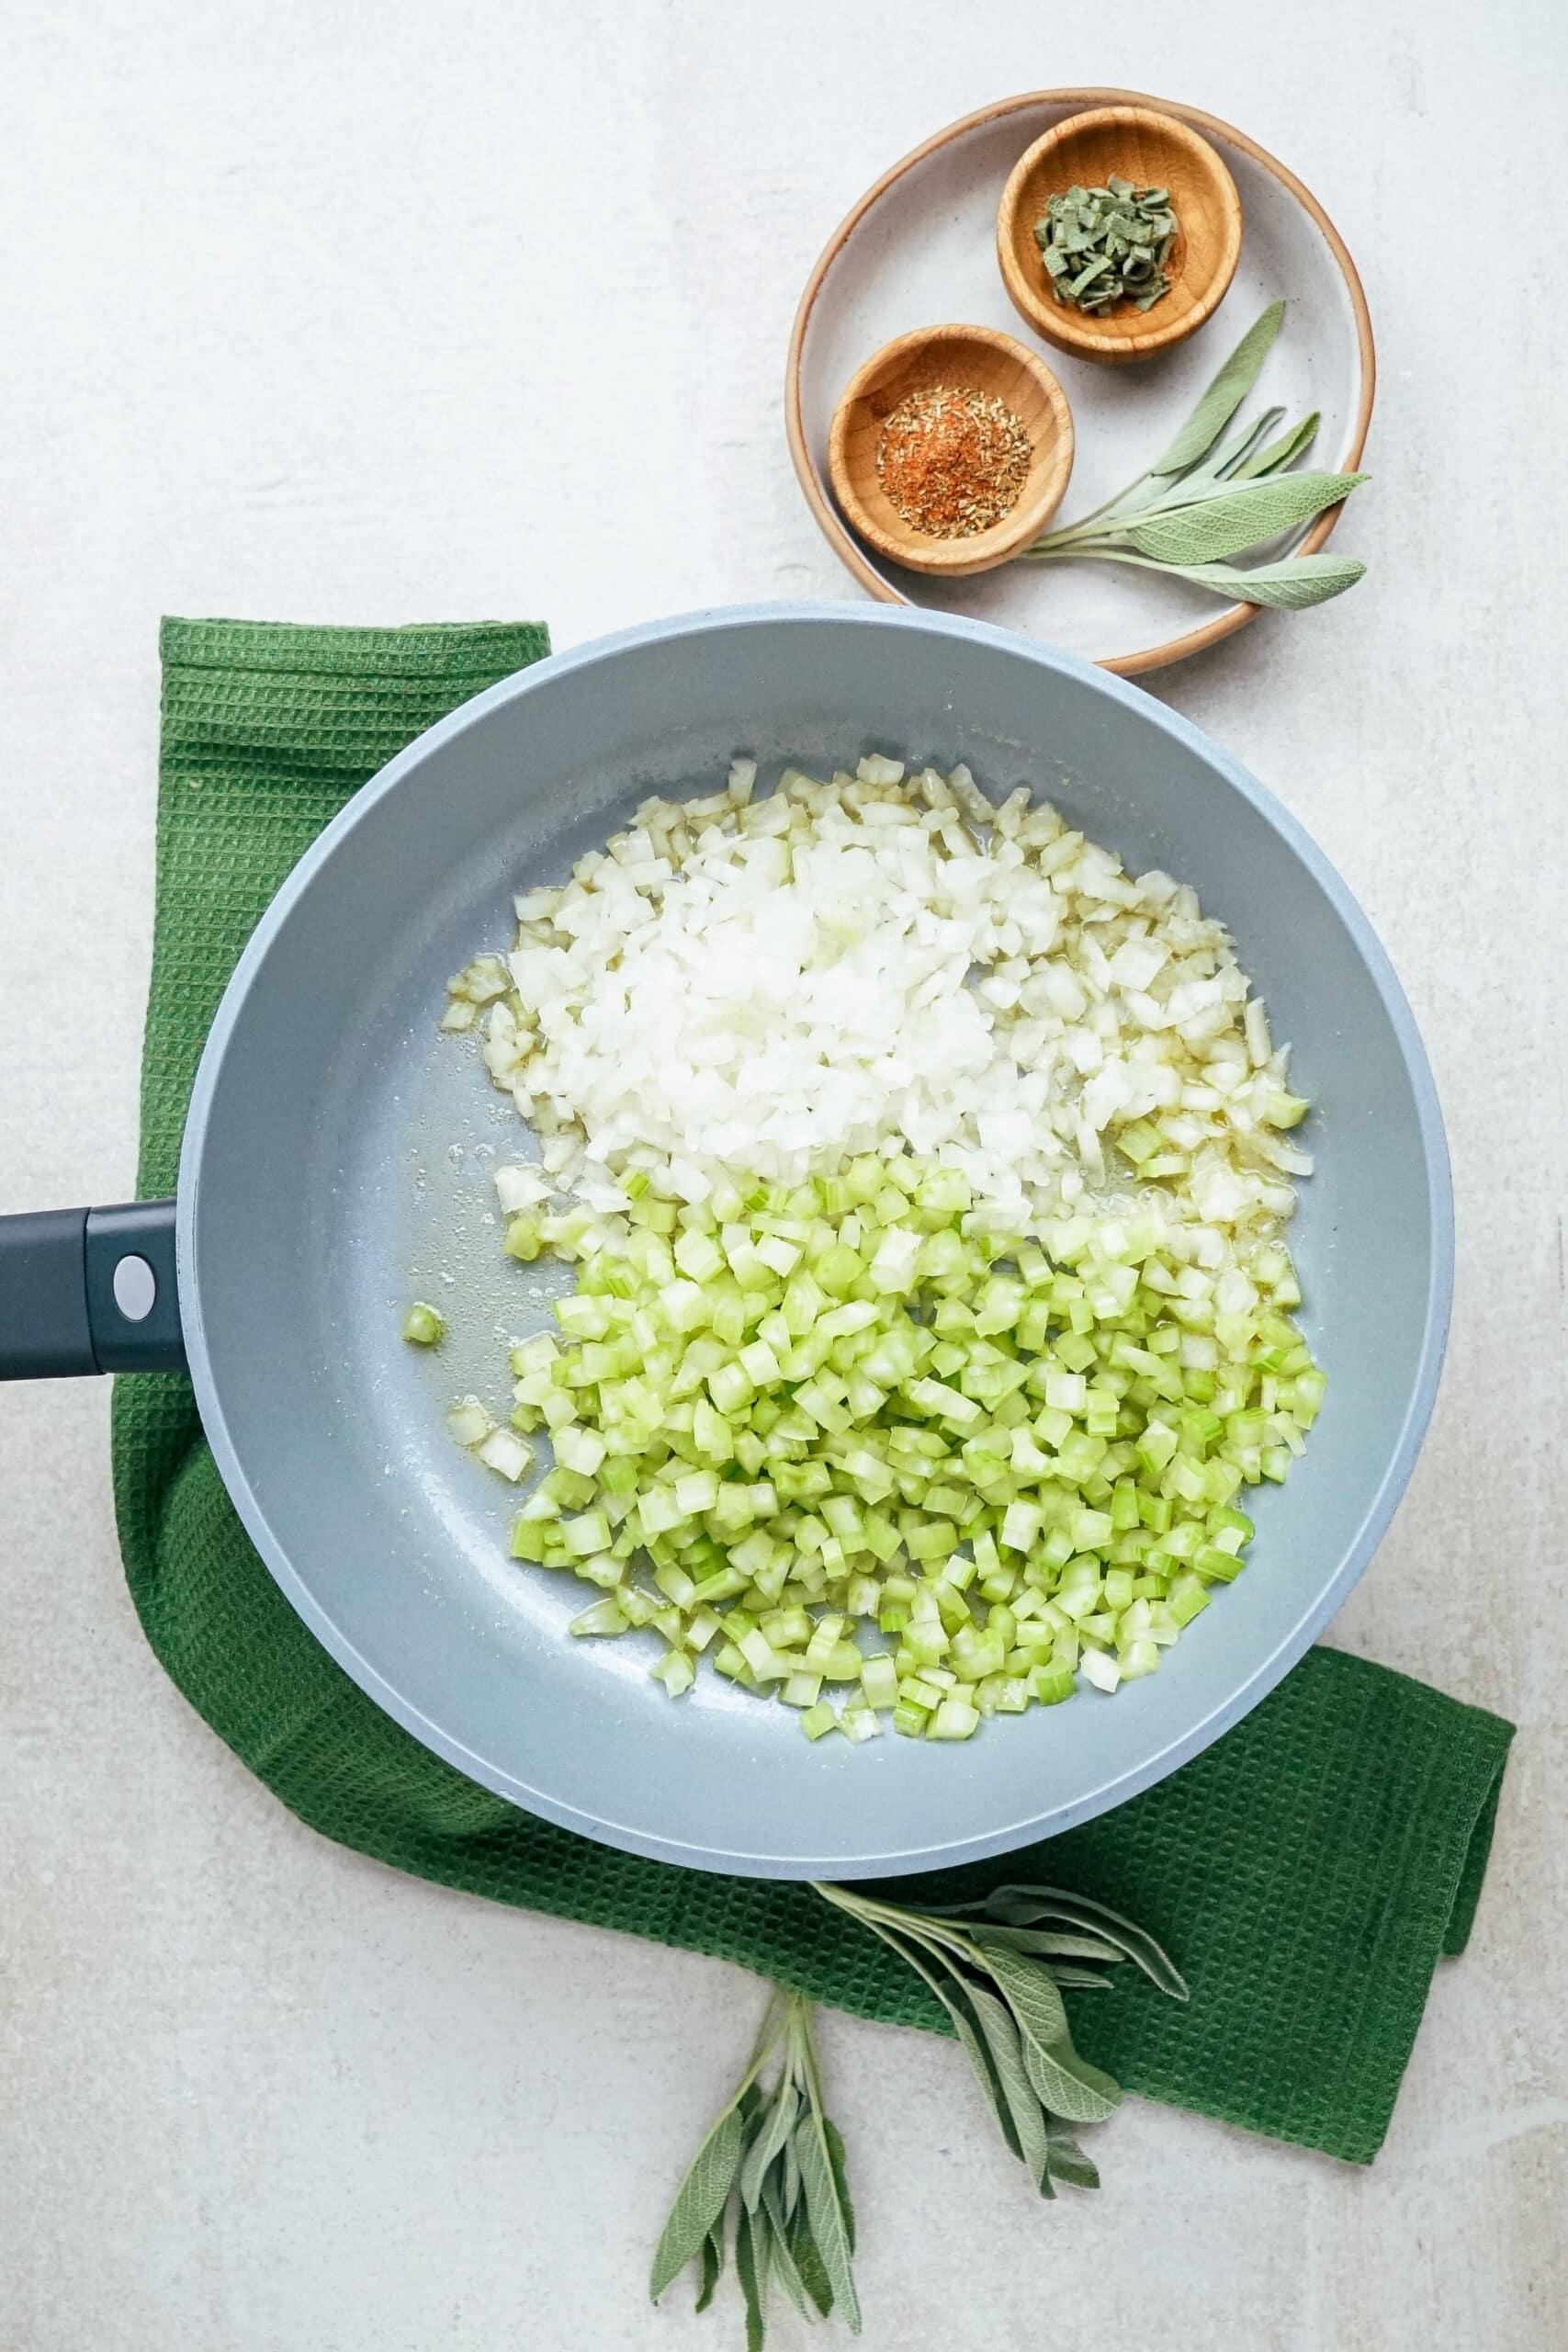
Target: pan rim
[[1118, 1787]]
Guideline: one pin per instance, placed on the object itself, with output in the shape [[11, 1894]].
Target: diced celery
[[1051, 1438], [701, 1627], [676, 1672], [1282, 1110], [589, 1533], [824, 1639], [1187, 1596], [1118, 1587], [605, 1617], [879, 1681], [675, 1585], [915, 1691], [598, 1568], [1051, 1684], [506, 1451], [1020, 1529], [696, 1492], [577, 1448], [468, 1421], [1138, 1142]]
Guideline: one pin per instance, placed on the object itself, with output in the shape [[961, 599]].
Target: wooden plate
[[920, 246]]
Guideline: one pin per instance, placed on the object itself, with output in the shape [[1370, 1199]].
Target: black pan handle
[[89, 1289]]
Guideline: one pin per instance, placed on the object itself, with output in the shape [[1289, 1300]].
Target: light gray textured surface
[[321, 312]]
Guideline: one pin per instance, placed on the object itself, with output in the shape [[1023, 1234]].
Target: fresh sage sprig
[[771, 2167], [1209, 496], [999, 1965]]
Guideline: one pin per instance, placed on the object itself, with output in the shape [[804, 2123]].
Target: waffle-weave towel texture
[[1307, 1871]]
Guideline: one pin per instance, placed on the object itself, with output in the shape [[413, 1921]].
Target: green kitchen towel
[[1307, 1871]]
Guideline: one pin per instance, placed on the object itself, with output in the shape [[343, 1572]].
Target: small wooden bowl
[[971, 357], [1153, 151]]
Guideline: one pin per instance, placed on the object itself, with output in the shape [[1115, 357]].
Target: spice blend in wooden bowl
[[953, 459], [950, 450]]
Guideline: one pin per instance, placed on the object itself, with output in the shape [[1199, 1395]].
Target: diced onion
[[780, 985]]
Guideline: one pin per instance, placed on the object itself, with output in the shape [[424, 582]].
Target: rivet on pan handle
[[89, 1289]]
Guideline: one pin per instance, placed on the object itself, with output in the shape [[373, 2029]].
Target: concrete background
[[326, 311]]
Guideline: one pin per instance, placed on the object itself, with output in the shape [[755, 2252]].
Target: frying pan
[[336, 1162]]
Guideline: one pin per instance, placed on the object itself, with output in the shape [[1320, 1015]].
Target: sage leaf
[[1283, 452], [1034, 1903], [834, 2138], [713, 2264], [997, 1963], [936, 1968], [1222, 396], [1222, 463], [1025, 1980], [1021, 1905], [1197, 481], [1006, 2056], [783, 2261], [699, 2201], [808, 2263], [985, 2075], [1068, 2084], [1208, 497], [1147, 491], [1054, 1942], [1066, 2159], [751, 2273], [1289, 586], [1213, 414], [771, 2129], [1237, 516], [767, 2142], [825, 2216], [952, 1992]]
